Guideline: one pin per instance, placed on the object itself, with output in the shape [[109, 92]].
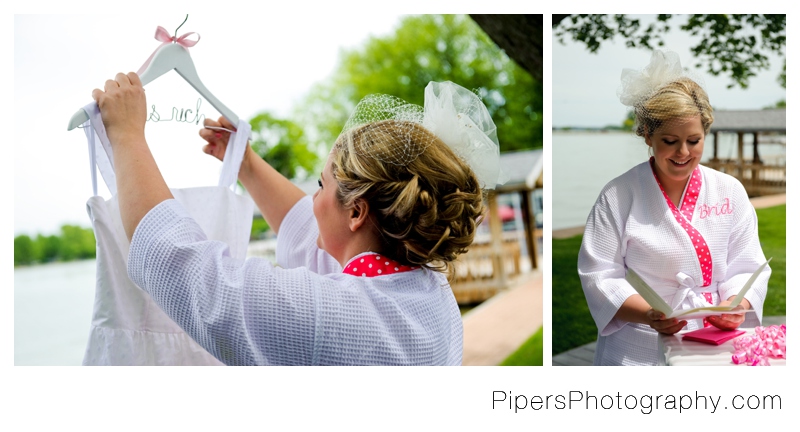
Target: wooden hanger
[[166, 58]]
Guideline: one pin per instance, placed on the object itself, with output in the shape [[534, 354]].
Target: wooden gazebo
[[493, 260], [758, 176]]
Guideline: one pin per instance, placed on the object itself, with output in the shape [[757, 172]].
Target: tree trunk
[[520, 36]]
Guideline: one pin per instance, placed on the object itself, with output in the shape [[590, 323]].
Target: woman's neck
[[359, 245], [673, 188]]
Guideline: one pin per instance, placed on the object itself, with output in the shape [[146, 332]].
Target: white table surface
[[674, 351]]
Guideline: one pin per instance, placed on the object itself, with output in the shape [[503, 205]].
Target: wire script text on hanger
[[182, 115]]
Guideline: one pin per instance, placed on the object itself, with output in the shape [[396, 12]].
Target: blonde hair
[[682, 98], [426, 211]]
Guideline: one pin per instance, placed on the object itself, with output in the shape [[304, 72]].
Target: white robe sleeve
[[601, 265], [297, 241], [744, 258], [240, 312]]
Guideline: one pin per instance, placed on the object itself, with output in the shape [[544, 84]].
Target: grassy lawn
[[573, 325], [772, 233], [529, 354]]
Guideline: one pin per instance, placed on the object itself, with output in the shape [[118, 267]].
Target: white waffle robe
[[631, 226], [306, 312]]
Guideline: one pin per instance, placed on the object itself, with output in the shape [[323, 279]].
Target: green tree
[[73, 243], [423, 49], [780, 104], [76, 243], [282, 144], [627, 124], [48, 247], [735, 45], [258, 229], [24, 252]]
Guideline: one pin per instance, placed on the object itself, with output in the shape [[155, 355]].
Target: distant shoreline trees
[[627, 124], [77, 243], [72, 243]]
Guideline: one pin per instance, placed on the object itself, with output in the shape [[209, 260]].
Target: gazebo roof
[[523, 168], [766, 120]]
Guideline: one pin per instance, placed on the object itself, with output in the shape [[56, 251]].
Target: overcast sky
[[585, 84], [252, 63]]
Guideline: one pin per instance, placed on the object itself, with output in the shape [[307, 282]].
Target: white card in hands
[[657, 303]]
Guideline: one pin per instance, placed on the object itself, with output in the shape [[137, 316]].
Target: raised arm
[[273, 193], [140, 186]]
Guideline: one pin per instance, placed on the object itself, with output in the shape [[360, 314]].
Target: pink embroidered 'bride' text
[[723, 208]]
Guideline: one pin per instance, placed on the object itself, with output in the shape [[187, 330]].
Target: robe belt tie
[[688, 291]]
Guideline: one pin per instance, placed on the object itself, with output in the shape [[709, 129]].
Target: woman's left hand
[[730, 321]]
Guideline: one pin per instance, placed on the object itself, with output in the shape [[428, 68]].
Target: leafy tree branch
[[733, 45]]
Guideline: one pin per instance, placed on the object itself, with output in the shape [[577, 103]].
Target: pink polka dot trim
[[710, 300], [684, 217], [372, 264]]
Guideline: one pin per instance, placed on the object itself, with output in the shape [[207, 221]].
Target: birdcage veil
[[452, 113], [642, 90]]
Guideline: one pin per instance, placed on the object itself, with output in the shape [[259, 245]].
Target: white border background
[[282, 398]]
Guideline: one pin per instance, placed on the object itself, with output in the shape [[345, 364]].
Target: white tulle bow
[[638, 85], [460, 119]]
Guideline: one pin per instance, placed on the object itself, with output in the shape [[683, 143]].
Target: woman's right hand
[[217, 139], [660, 323], [635, 309]]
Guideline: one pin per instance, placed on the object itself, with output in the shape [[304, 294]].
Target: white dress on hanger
[[128, 327]]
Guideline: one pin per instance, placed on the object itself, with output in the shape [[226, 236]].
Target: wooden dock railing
[[758, 179], [475, 279]]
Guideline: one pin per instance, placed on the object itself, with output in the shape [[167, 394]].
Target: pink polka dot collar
[[371, 264], [684, 218]]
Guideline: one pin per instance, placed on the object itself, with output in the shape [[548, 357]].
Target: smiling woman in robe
[[657, 220]]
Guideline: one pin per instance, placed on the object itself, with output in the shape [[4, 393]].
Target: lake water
[[584, 162], [52, 312], [53, 306]]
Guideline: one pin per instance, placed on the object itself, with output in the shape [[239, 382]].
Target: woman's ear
[[359, 214]]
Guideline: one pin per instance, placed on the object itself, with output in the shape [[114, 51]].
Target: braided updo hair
[[427, 210]]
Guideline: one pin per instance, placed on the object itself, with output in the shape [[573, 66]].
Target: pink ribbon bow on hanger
[[163, 35]]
